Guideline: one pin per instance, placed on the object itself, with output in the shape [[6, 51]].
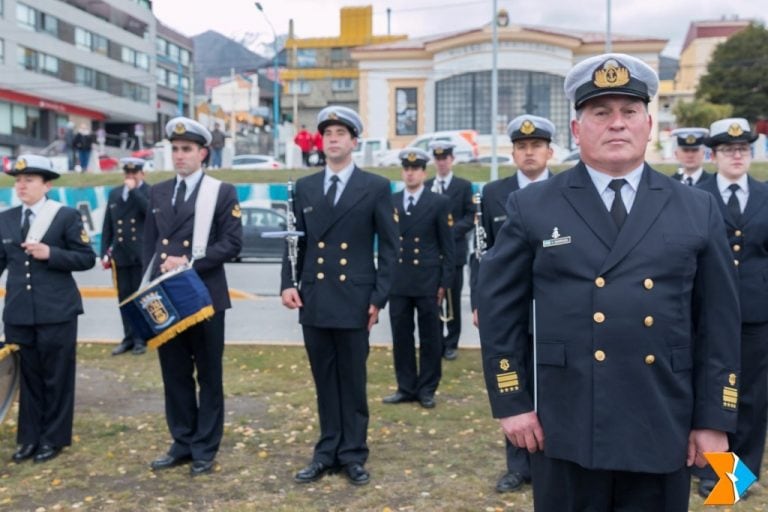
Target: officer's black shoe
[[24, 452], [357, 474], [138, 349], [168, 461], [46, 453], [397, 397], [511, 481], [705, 487], [122, 348], [201, 467], [315, 471], [451, 354], [427, 402]]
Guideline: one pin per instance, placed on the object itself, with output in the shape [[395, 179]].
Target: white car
[[255, 162], [465, 141]]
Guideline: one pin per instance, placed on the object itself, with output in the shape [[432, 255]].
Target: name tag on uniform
[[500, 218], [307, 209], [556, 239], [112, 205], [7, 240]]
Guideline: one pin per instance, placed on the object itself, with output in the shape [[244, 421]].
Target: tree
[[738, 73], [700, 113]]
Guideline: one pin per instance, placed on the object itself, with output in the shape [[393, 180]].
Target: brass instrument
[[446, 310], [481, 237], [292, 239]]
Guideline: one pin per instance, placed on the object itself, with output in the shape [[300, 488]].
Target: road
[[259, 318]]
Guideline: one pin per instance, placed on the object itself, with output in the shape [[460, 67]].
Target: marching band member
[[43, 242]]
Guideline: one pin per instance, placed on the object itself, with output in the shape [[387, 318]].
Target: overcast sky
[[668, 19]]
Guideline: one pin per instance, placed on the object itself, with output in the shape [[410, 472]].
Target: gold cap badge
[[438, 151], [527, 127], [236, 213], [611, 74], [691, 139], [332, 116], [412, 157], [450, 220], [735, 130], [180, 128], [21, 164]]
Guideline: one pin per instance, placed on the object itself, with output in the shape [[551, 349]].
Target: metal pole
[[389, 19], [494, 91], [295, 91], [608, 26], [276, 107], [192, 90]]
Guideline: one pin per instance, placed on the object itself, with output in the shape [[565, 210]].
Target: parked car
[[257, 220], [501, 159], [376, 147], [255, 162], [571, 158], [466, 149]]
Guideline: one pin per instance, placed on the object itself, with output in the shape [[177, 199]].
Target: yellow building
[[320, 70]]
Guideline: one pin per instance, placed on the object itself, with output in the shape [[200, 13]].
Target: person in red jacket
[[303, 139], [318, 140]]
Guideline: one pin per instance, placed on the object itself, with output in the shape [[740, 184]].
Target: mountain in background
[[260, 43], [215, 55]]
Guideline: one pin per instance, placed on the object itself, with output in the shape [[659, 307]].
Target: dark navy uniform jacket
[[460, 193], [705, 176], [123, 229], [44, 292], [494, 204], [170, 234], [426, 259], [338, 277], [637, 330], [748, 238]]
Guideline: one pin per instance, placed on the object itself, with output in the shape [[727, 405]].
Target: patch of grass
[[447, 458]]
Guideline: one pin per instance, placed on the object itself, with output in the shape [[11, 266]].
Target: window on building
[[128, 55], [406, 111], [2, 8], [5, 118], [343, 84], [306, 58], [83, 39], [299, 87], [185, 83], [462, 103], [100, 45], [49, 24], [25, 121], [339, 54], [27, 58], [26, 16], [85, 76], [142, 60], [184, 56], [48, 64], [161, 46], [102, 82], [173, 52], [173, 80], [162, 76]]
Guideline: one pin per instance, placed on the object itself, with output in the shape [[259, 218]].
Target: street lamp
[[276, 87]]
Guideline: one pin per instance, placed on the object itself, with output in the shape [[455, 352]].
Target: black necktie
[[25, 224], [689, 181], [618, 210], [409, 210], [330, 196], [733, 203], [181, 192], [442, 186]]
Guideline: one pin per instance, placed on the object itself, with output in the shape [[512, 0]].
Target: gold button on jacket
[[599, 355]]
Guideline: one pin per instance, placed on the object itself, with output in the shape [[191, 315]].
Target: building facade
[[321, 71], [443, 82], [174, 71]]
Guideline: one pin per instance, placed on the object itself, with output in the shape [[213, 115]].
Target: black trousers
[[191, 360], [47, 395], [563, 486], [413, 381], [748, 442], [451, 339], [128, 281], [338, 361], [518, 459]]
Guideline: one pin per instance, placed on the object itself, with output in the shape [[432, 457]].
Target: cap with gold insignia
[[530, 127], [413, 157], [184, 128], [610, 73], [132, 164], [727, 131], [441, 148], [690, 137], [343, 116], [34, 164]]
